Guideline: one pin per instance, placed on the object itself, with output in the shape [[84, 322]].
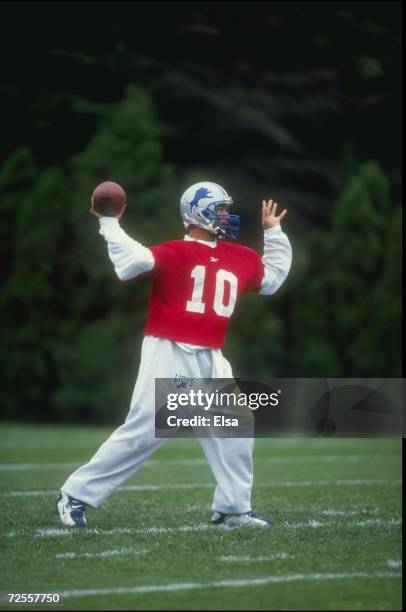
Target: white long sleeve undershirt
[[277, 259], [129, 257]]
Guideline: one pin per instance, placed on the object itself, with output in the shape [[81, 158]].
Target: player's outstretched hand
[[94, 212], [269, 218]]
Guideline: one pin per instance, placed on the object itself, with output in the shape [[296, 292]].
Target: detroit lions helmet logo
[[201, 193]]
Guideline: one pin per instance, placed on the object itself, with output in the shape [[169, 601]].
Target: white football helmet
[[198, 206]]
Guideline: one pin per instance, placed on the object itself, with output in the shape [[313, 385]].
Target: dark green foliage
[[71, 343], [71, 346], [347, 320], [281, 100]]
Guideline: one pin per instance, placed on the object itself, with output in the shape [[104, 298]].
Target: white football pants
[[125, 451]]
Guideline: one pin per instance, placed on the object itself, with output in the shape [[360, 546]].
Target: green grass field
[[335, 544]]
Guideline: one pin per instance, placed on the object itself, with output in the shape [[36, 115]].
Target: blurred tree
[[16, 176], [32, 291], [70, 345], [346, 318], [104, 336], [71, 323]]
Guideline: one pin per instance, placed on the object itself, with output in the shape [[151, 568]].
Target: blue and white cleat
[[248, 519], [71, 511]]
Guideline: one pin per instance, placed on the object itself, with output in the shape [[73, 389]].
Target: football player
[[196, 284]]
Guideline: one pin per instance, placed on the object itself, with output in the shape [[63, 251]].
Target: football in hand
[[108, 199]]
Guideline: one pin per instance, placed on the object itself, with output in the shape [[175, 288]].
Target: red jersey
[[196, 287]]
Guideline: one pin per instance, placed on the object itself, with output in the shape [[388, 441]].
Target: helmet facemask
[[223, 225]]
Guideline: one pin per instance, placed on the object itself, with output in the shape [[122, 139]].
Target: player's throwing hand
[[94, 212], [269, 218]]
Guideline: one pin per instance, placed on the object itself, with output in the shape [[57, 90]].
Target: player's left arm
[[277, 257]]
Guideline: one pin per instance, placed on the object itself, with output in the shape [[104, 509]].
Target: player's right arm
[[129, 257]]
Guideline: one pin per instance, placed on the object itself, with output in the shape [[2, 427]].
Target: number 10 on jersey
[[222, 277]]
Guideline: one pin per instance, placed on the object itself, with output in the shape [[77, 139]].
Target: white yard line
[[23, 467], [129, 488], [359, 510], [53, 532], [377, 522], [187, 586], [58, 465], [46, 533], [310, 523], [348, 512], [37, 441], [394, 563], [105, 554], [392, 522], [283, 483], [272, 557]]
